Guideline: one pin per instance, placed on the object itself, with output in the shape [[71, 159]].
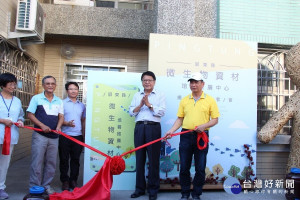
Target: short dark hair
[[71, 83], [148, 73], [49, 76], [7, 78]]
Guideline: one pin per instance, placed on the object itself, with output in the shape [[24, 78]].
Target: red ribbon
[[6, 141], [157, 140], [204, 138], [70, 138], [98, 188], [199, 136]]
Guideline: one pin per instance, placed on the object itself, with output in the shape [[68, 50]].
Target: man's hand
[[168, 135], [146, 101], [20, 124], [58, 129], [71, 123], [200, 128], [177, 124], [142, 102], [45, 129]]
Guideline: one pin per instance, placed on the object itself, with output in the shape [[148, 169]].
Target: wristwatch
[[151, 106]]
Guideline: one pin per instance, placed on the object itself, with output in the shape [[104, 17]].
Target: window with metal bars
[[78, 72], [24, 68], [274, 88]]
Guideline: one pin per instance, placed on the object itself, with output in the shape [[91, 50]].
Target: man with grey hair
[[46, 111], [198, 112]]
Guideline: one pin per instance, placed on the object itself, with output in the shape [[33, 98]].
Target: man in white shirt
[[148, 106]]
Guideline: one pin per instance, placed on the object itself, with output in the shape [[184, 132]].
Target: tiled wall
[[264, 21], [7, 8]]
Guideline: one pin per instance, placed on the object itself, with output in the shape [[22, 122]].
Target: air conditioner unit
[[30, 20]]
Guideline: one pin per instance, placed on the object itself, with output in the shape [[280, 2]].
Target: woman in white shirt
[[10, 112]]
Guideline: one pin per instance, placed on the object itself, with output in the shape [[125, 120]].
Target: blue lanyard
[[8, 108]]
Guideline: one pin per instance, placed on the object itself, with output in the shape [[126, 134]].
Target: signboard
[[109, 126], [229, 68], [230, 74]]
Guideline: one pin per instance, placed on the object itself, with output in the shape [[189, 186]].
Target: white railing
[[121, 4]]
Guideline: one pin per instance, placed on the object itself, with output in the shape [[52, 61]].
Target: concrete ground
[[18, 178]]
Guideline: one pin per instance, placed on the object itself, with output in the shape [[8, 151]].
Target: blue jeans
[[188, 148]]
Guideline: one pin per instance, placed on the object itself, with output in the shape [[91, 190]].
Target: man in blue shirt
[[46, 111], [148, 106], [74, 126]]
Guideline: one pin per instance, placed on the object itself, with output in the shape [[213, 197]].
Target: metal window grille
[[274, 88], [23, 67], [78, 72]]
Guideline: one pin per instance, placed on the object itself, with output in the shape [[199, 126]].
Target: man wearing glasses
[[74, 125], [148, 106], [46, 112]]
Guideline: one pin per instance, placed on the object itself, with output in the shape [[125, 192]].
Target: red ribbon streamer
[[71, 138], [6, 141], [199, 136], [149, 143], [204, 138], [98, 188]]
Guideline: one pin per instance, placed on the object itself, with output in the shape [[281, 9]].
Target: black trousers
[[144, 133], [69, 156]]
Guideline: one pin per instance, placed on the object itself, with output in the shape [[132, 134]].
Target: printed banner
[[109, 126], [230, 74], [229, 68]]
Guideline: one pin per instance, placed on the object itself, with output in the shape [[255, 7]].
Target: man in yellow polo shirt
[[197, 111]]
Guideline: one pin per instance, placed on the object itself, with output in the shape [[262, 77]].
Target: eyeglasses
[[11, 84], [145, 81], [49, 84]]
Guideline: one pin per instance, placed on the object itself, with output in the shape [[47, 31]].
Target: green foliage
[[166, 166], [233, 171], [175, 156]]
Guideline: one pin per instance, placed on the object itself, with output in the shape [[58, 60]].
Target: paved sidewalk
[[18, 178]]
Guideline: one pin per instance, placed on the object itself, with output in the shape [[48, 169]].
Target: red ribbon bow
[[204, 138]]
